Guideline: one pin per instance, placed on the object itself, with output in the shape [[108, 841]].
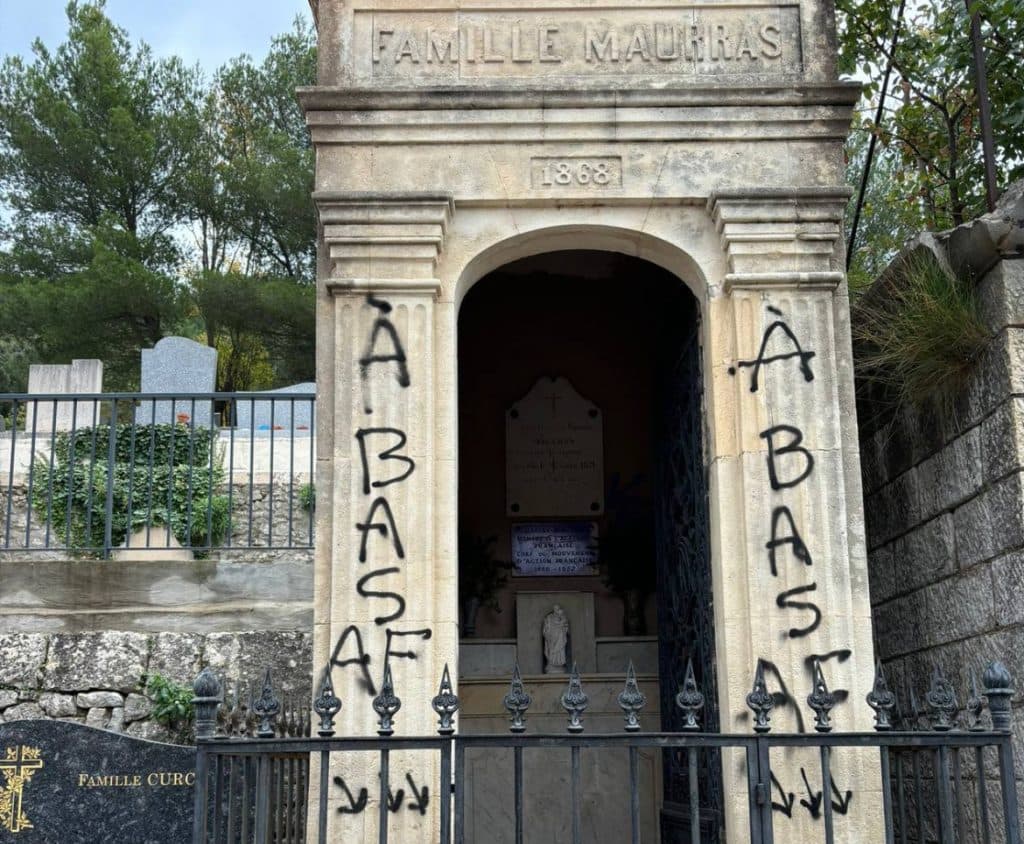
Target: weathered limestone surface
[[945, 496], [98, 678], [200, 597], [704, 138]]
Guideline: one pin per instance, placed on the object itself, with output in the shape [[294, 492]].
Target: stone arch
[[600, 238]]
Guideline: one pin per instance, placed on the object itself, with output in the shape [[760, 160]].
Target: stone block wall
[[97, 678], [944, 504]]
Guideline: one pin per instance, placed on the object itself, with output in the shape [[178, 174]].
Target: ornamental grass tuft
[[918, 335]]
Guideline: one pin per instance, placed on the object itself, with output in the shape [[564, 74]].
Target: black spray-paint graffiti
[[783, 699], [394, 354], [395, 799], [792, 447], [355, 805], [784, 601], [362, 658], [789, 465], [840, 802], [383, 465], [382, 527], [792, 538], [762, 360], [786, 806], [388, 454]]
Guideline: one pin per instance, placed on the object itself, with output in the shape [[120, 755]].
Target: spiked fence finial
[[445, 704], [266, 707], [516, 702], [631, 700], [327, 704], [386, 704], [822, 701], [690, 700], [941, 700], [882, 700], [760, 701], [575, 701]]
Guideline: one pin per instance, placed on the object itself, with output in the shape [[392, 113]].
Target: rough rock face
[[21, 659], [99, 678], [105, 660], [977, 246]]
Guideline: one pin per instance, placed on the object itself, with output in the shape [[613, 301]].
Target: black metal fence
[[97, 473], [947, 776]]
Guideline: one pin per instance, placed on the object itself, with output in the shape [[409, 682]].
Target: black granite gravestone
[[64, 783]]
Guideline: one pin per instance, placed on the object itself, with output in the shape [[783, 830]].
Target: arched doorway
[[603, 513]]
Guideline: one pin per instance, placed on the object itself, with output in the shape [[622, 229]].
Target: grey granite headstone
[[80, 376], [178, 366], [259, 418], [77, 785]]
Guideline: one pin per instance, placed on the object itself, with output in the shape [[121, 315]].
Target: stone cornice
[[780, 237], [377, 241], [584, 95]]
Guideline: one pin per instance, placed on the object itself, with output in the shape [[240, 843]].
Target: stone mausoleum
[[582, 311]]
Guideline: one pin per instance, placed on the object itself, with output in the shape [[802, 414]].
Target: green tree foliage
[[95, 134], [247, 191], [248, 317], [930, 158], [141, 201]]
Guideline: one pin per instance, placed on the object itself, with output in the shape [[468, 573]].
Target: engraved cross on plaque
[[18, 766]]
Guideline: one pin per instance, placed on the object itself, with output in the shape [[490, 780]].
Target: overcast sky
[[204, 31]]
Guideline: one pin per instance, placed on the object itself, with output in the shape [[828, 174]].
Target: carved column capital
[[781, 238], [383, 242]]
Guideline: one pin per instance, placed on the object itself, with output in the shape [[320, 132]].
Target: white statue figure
[[556, 641]]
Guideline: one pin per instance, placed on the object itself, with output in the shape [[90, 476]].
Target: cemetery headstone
[[80, 376], [261, 418], [63, 781], [179, 366]]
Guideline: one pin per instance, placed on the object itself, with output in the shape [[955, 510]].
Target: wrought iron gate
[[685, 611]]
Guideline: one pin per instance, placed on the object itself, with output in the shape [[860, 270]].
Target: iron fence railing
[[108, 473], [934, 765]]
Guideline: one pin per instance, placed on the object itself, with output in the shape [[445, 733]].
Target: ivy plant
[[163, 476]]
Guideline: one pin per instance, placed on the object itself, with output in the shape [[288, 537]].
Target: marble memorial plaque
[[554, 453], [66, 782], [554, 548]]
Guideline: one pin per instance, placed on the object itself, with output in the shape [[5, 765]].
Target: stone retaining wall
[[97, 678], [944, 502]]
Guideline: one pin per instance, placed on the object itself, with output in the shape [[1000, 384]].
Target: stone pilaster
[[385, 574], [787, 514]]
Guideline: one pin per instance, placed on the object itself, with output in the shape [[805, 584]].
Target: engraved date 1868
[[576, 172]]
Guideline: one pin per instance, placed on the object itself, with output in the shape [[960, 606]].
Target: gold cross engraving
[[18, 764]]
